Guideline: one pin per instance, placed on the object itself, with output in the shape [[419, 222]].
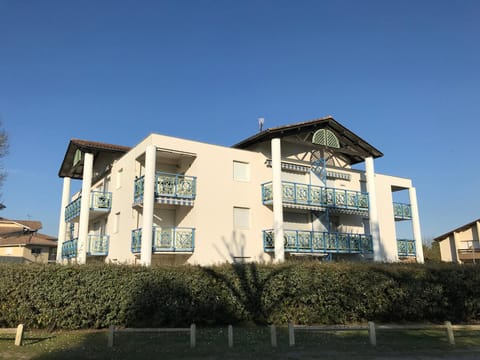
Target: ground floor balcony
[[174, 189], [312, 196], [97, 245], [406, 248], [166, 239], [402, 211], [100, 203], [301, 241], [470, 255], [69, 249]]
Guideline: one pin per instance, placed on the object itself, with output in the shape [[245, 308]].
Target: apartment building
[[285, 192]]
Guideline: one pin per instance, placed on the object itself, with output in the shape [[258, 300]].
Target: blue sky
[[404, 75]]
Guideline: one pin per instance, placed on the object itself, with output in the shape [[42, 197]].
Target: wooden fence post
[[273, 335], [291, 334], [193, 339], [372, 334], [230, 336], [19, 335], [111, 331], [451, 338]]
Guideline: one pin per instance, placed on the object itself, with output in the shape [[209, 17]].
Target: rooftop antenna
[[261, 121]]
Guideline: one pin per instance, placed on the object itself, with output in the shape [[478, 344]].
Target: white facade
[[279, 194]]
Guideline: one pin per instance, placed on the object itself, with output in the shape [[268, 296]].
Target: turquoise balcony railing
[[168, 185], [402, 211], [69, 249], [406, 247], [98, 245], [99, 201], [304, 194], [166, 239], [72, 210], [136, 241], [320, 242]]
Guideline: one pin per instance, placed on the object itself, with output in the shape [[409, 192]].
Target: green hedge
[[95, 296]]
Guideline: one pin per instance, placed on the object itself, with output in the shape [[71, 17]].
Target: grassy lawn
[[250, 343]]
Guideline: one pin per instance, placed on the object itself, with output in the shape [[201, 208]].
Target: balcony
[[402, 211], [472, 254], [166, 239], [175, 189], [406, 247], [300, 241], [100, 202], [311, 196], [69, 249], [97, 245]]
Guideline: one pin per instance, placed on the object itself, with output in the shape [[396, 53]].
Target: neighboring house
[[284, 192], [461, 245], [20, 241]]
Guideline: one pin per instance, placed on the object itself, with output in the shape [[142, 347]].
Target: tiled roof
[[345, 135], [68, 169], [460, 228], [9, 226], [29, 239], [95, 145]]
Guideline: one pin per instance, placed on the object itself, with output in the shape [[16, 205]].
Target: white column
[[62, 227], [372, 209], [477, 225], [456, 242], [277, 200], [148, 205], [417, 235], [85, 208]]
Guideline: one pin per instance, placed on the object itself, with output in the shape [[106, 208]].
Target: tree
[[431, 253], [3, 153]]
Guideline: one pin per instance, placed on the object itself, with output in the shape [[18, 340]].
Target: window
[[36, 251], [241, 171], [241, 218], [116, 223], [119, 179]]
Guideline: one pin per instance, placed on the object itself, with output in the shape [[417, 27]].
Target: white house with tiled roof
[[20, 241], [462, 244], [282, 193]]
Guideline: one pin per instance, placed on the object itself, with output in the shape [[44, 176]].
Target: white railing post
[[291, 334], [193, 338], [451, 338], [111, 333], [230, 336], [19, 335], [273, 335], [372, 334]]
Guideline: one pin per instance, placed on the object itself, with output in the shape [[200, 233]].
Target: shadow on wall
[[246, 282], [233, 250]]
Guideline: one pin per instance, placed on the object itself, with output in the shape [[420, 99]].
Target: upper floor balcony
[[406, 247], [166, 239], [175, 189], [100, 203], [301, 241], [402, 211], [317, 196]]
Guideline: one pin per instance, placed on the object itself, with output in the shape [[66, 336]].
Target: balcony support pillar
[[278, 230], [372, 209], [85, 208], [417, 235], [148, 205], [62, 227]]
